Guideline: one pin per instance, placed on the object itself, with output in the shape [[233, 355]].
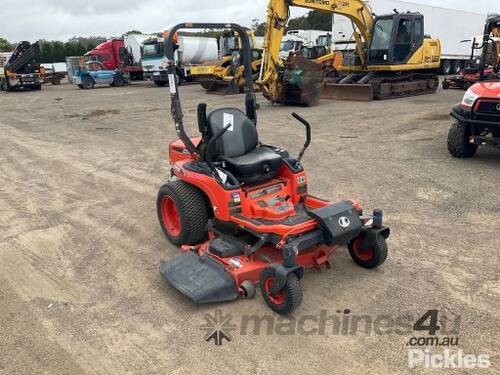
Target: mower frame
[[276, 226]]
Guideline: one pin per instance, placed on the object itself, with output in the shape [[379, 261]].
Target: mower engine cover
[[340, 222]]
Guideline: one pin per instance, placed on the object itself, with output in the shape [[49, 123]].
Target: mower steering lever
[[308, 135]]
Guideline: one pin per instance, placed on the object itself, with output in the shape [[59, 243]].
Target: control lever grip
[[308, 134]]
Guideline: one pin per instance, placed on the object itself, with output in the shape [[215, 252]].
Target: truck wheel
[[287, 299], [87, 83], [37, 87], [118, 81], [457, 66], [446, 85], [458, 141], [183, 213], [371, 257], [446, 67], [160, 83]]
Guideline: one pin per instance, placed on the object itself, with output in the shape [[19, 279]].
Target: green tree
[[132, 32], [259, 28], [314, 20], [5, 46], [318, 20]]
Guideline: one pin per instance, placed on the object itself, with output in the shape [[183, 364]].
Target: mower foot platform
[[200, 278]]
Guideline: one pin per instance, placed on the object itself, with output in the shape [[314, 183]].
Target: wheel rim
[[278, 298], [365, 255], [170, 216]]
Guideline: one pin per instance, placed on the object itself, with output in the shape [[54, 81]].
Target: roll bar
[[176, 108]]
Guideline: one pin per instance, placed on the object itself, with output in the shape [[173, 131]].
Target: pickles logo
[[218, 327]]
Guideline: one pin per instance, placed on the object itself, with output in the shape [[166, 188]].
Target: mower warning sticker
[[228, 120], [171, 83]]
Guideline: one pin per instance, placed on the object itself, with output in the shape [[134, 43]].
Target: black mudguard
[[330, 219], [370, 236], [280, 274], [200, 278]]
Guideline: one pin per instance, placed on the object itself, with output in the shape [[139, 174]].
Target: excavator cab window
[[403, 44], [381, 41], [396, 38]]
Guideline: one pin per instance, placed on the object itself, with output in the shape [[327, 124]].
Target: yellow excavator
[[227, 75], [393, 57]]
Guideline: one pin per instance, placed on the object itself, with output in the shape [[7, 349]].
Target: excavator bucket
[[302, 81], [347, 91]]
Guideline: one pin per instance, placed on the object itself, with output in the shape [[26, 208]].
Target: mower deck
[[200, 278]]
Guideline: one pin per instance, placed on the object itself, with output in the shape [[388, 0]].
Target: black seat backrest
[[239, 139]]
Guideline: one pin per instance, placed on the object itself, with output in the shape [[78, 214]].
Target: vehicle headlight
[[469, 98]]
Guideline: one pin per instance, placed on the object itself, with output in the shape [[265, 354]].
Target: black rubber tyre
[[118, 81], [287, 299], [248, 288], [183, 213], [87, 83], [458, 141], [370, 258], [160, 83], [446, 67], [446, 85], [456, 66]]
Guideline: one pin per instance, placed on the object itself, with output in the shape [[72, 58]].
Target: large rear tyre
[[458, 141], [287, 299], [370, 258], [183, 213]]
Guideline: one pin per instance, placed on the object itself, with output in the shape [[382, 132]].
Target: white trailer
[[450, 26], [294, 40], [133, 44]]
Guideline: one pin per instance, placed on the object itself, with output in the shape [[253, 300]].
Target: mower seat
[[239, 147]]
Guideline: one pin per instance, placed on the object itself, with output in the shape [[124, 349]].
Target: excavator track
[[369, 86]]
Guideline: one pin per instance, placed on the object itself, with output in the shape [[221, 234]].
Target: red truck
[[121, 53]]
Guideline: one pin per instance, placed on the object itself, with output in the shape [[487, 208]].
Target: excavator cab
[[396, 38]]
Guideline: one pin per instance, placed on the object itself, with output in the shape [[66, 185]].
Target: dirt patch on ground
[[95, 113]]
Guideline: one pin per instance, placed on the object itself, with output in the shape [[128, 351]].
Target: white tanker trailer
[[191, 51]]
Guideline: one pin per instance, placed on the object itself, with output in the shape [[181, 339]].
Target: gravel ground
[[80, 291]]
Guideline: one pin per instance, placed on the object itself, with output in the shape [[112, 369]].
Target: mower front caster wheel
[[287, 299], [372, 257], [183, 212]]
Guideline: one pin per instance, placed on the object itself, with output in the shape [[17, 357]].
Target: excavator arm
[[278, 13]]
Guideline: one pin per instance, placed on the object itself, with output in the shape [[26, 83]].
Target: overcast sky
[[62, 19]]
